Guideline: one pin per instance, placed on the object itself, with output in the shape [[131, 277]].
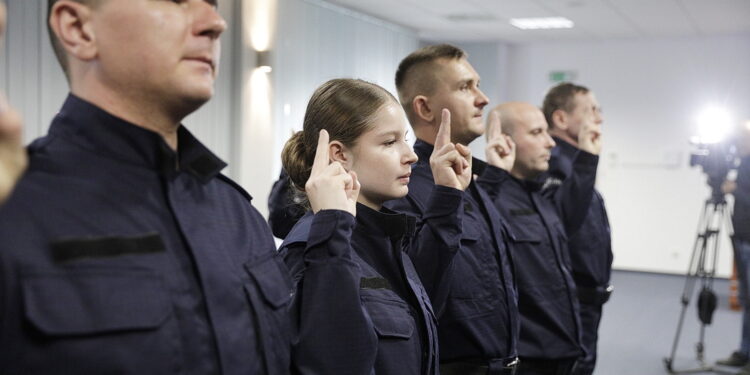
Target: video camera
[[716, 160]]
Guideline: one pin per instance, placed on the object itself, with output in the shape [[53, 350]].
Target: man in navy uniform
[[475, 299], [124, 250], [740, 189], [567, 107], [550, 341]]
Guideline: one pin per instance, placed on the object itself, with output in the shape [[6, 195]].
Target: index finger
[[444, 132], [494, 126], [321, 159]]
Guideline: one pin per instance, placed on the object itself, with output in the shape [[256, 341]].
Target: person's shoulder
[[235, 187], [299, 233]]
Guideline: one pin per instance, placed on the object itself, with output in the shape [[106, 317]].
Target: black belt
[[505, 366], [595, 296]]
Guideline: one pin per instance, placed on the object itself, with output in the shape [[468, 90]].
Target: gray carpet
[[640, 322]]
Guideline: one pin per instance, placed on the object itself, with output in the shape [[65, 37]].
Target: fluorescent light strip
[[542, 23]]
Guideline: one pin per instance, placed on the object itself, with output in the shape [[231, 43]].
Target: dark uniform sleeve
[[283, 212], [572, 196], [334, 336], [438, 238]]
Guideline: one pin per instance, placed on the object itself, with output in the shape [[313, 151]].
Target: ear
[[421, 107], [560, 119], [71, 23], [338, 152]]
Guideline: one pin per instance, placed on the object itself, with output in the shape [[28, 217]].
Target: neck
[[557, 132], [425, 134], [369, 203], [135, 109], [522, 175]]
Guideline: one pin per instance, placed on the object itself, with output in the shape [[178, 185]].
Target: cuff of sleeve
[[331, 230], [586, 159], [443, 201]]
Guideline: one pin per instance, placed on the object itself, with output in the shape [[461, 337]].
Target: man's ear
[[560, 119], [338, 152], [71, 23], [423, 110]]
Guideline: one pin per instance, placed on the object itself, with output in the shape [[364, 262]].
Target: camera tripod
[[702, 269]]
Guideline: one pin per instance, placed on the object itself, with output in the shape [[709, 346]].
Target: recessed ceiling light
[[542, 23]]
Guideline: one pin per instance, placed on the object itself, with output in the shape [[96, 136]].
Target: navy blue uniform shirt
[[359, 306], [119, 256], [550, 326], [591, 245], [476, 301]]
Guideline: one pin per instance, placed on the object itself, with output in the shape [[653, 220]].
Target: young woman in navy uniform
[[359, 306]]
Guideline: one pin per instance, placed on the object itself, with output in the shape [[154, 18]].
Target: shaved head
[[512, 114]]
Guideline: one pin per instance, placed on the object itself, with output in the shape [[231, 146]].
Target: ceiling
[[485, 20]]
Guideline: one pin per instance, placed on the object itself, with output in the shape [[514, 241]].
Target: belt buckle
[[511, 366]]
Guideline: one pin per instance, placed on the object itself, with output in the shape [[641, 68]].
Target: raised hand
[[12, 155], [450, 162], [590, 138], [501, 150], [330, 186]]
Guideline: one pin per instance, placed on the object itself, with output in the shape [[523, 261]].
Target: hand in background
[[590, 138], [501, 150], [12, 155]]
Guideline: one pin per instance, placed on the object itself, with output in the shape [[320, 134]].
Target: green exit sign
[[557, 76]]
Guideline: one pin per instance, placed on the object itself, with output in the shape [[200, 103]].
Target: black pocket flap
[[272, 279], [80, 302], [525, 239], [390, 318]]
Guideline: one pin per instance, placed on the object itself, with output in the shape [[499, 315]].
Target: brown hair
[[561, 97], [57, 47], [343, 107], [416, 73]]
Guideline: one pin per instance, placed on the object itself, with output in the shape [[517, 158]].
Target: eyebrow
[[385, 134]]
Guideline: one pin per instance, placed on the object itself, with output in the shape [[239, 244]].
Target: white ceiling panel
[[656, 18], [485, 20], [719, 16]]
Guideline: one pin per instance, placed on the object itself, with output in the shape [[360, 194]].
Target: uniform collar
[[385, 223], [566, 149], [94, 129], [424, 150]]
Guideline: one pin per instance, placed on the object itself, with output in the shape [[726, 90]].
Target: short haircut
[[57, 47], [561, 97], [416, 73]]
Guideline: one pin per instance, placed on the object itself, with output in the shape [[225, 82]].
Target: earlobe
[[71, 22], [421, 108]]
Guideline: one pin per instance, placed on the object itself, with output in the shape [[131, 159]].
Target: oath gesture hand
[[450, 162], [330, 186], [501, 150]]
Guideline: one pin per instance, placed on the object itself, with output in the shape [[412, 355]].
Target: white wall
[[34, 83], [316, 42], [651, 91]]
